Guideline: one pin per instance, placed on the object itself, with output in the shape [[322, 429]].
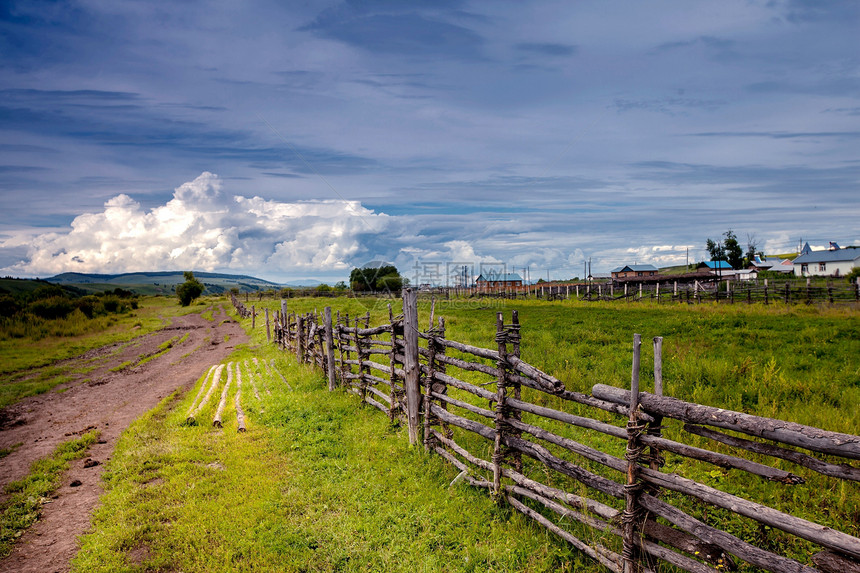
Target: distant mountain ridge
[[164, 282]]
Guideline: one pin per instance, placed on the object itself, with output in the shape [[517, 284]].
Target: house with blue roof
[[773, 264], [718, 268], [833, 262]]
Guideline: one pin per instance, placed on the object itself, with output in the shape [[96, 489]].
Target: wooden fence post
[[268, 332], [428, 386], [410, 353], [632, 511], [344, 354], [513, 336], [396, 392], [253, 317], [362, 370], [299, 335], [329, 350], [501, 389]]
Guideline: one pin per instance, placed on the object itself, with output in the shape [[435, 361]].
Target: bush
[[47, 291], [853, 275], [53, 307], [8, 306], [111, 303], [87, 305]]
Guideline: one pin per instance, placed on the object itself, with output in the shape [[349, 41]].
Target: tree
[[752, 249], [384, 278], [189, 290], [726, 250]]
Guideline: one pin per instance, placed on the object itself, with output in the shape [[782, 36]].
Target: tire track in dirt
[[108, 401]]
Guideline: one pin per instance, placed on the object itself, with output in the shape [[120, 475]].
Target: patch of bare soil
[[109, 401]]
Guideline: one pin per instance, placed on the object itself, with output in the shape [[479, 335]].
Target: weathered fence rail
[[517, 432]]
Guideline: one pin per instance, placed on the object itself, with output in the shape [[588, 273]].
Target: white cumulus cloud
[[202, 228]]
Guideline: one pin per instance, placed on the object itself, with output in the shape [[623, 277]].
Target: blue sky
[[297, 140]]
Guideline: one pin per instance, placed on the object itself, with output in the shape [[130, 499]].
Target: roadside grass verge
[[20, 353], [317, 483], [27, 496], [27, 365]]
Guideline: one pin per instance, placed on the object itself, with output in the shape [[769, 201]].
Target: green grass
[[317, 483], [6, 451], [766, 360], [27, 495], [27, 363], [19, 353], [794, 363]]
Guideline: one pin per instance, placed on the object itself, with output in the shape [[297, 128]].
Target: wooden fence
[[510, 428], [731, 292]]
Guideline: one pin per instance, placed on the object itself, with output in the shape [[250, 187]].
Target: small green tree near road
[[729, 249], [189, 290]]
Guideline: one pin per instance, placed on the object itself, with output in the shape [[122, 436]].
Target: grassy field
[[28, 362], [319, 483], [798, 363]]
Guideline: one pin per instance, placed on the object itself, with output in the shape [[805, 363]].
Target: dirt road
[[99, 399]]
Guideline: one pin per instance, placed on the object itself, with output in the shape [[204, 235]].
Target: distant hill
[[161, 282]]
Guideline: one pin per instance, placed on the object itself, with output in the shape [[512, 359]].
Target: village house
[[718, 268], [500, 280], [633, 272], [772, 264], [834, 262]]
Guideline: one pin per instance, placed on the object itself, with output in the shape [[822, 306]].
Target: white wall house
[[834, 262]]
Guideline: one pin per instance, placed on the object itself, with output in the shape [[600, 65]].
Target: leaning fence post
[[299, 335], [344, 354], [410, 353], [360, 354], [428, 386], [396, 391], [632, 510], [501, 395], [329, 349], [655, 428]]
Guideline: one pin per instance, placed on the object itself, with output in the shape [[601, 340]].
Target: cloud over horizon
[[203, 228]]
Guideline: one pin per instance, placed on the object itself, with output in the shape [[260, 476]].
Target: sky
[[295, 141]]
